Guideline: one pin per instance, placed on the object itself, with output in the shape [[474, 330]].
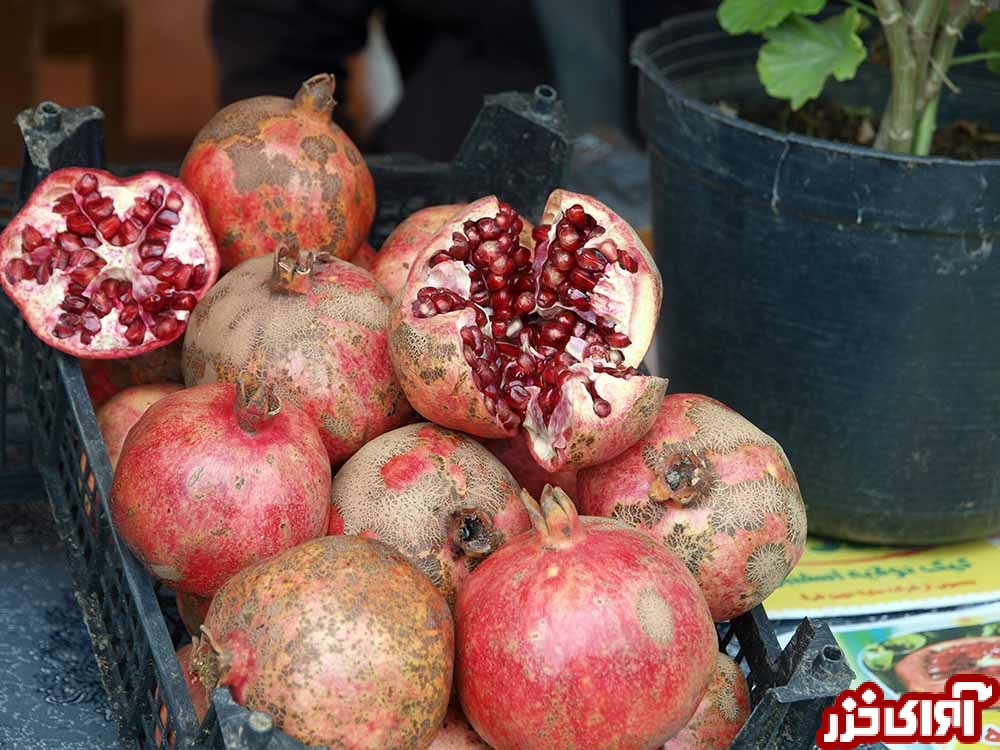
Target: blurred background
[[411, 73]]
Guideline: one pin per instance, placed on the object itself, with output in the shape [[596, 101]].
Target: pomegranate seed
[[109, 227], [166, 327], [627, 262], [79, 224], [129, 314], [100, 303], [521, 257], [74, 303], [502, 266], [580, 329], [576, 215], [63, 331], [65, 205], [41, 254], [83, 276], [470, 355], [548, 400], [442, 302], [69, 242], [110, 287], [566, 319], [168, 269], [504, 414], [569, 238], [499, 328], [564, 375], [73, 288], [174, 201], [505, 242], [596, 351], [459, 252], [182, 277], [199, 276], [540, 232], [16, 270], [154, 302], [151, 250], [481, 318], [524, 303], [30, 238], [582, 280], [439, 257], [491, 405], [524, 283], [488, 228], [553, 333], [504, 314], [507, 349], [151, 266], [503, 221], [183, 301], [618, 340], [577, 298], [86, 184], [546, 298], [551, 278], [473, 234], [83, 257], [459, 239], [90, 322], [98, 207], [526, 363], [168, 218], [129, 232], [500, 299], [603, 324], [561, 260], [425, 294], [136, 332], [156, 196], [601, 407], [158, 233], [424, 309], [487, 252], [472, 336], [590, 260], [495, 283], [519, 394], [517, 226]]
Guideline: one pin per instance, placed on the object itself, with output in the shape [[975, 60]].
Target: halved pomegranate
[[490, 335], [104, 268]]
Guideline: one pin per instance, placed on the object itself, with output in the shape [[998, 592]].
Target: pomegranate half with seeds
[[391, 266], [104, 268], [490, 336]]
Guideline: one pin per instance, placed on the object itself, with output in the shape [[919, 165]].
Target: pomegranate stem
[[316, 94], [292, 271], [256, 402]]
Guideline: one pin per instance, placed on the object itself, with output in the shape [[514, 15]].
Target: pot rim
[[639, 54]]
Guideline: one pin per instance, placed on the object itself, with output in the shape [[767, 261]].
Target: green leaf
[[742, 16], [801, 54], [989, 40]]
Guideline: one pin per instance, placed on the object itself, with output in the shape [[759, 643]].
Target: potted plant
[[831, 269]]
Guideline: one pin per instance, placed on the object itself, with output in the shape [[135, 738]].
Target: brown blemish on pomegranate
[[655, 616], [692, 548], [267, 168], [767, 567], [644, 514], [318, 148]]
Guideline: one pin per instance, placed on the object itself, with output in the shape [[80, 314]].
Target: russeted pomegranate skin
[[491, 336], [123, 410], [318, 328], [275, 172], [341, 640], [721, 714], [105, 268], [214, 478], [437, 496], [581, 633], [717, 491], [410, 237]]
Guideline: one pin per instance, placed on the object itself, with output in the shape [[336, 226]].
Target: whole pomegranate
[[105, 268], [436, 495], [341, 640], [514, 454], [200, 699], [490, 336], [718, 492], [318, 328], [456, 734], [721, 714], [581, 633], [272, 171], [214, 478], [365, 257], [410, 237], [106, 377], [122, 411], [192, 610]]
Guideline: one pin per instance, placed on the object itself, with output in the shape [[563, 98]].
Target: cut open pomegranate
[[498, 329], [102, 267]]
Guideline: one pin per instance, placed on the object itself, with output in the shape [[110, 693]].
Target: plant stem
[[926, 16], [944, 48], [863, 7], [925, 129], [898, 125], [974, 58]]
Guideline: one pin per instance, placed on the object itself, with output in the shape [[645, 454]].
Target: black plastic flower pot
[[844, 299]]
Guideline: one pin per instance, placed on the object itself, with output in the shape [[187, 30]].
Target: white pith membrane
[[594, 301], [104, 266]]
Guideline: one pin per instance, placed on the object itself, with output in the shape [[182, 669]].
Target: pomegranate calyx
[[554, 518], [232, 665], [292, 270], [315, 95], [685, 478], [473, 533], [207, 659], [256, 402]]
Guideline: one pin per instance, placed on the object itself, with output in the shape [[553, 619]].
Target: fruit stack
[[414, 498]]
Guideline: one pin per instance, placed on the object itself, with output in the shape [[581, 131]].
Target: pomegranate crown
[[316, 94], [554, 519], [292, 270], [256, 401]]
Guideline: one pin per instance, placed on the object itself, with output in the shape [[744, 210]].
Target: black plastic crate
[[131, 620]]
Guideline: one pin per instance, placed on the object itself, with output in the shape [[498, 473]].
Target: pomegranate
[[581, 633], [319, 330], [192, 610], [105, 268], [214, 478], [489, 336], [122, 411], [106, 377], [408, 239], [365, 257], [928, 668], [341, 640], [436, 495], [456, 734], [200, 699], [721, 714], [514, 454], [718, 491], [272, 171]]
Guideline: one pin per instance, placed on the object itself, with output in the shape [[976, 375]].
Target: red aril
[[214, 478], [123, 410], [721, 714], [105, 268], [582, 633], [490, 335], [392, 264]]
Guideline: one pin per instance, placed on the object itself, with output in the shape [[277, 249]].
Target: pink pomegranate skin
[[366, 255], [199, 696], [515, 455], [106, 377], [436, 495], [123, 410], [203, 489], [341, 640], [721, 714], [392, 264], [582, 633], [456, 734], [718, 491], [192, 610]]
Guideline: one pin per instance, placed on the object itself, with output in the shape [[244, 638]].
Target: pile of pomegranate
[[413, 497]]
